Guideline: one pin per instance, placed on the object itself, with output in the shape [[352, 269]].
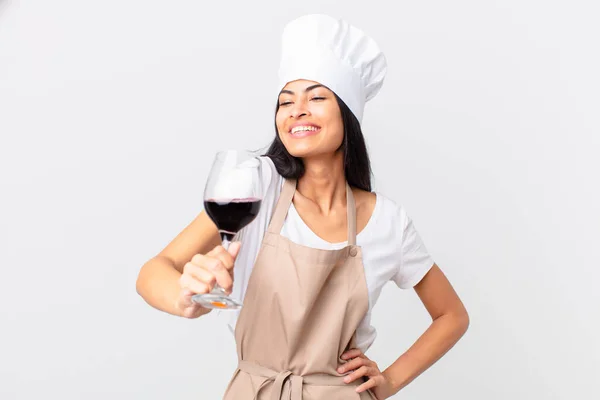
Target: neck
[[324, 181]]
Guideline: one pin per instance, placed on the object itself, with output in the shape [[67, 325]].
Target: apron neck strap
[[285, 200], [351, 215], [283, 205]]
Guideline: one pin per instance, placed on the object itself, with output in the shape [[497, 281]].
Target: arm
[[158, 280], [450, 322]]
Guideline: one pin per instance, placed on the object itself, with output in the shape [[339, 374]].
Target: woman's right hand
[[200, 275]]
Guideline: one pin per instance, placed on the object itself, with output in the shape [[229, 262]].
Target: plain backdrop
[[486, 130]]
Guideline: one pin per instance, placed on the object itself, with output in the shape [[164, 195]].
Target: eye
[[285, 103], [318, 98]]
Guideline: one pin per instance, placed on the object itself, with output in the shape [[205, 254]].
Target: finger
[[352, 353], [198, 259], [351, 365], [370, 384], [226, 258], [215, 266], [200, 273], [234, 249], [186, 297], [362, 371], [189, 284], [221, 273], [187, 292]]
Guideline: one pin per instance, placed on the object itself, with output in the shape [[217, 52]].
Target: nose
[[299, 109]]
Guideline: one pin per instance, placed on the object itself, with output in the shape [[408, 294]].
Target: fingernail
[[347, 379], [340, 370]]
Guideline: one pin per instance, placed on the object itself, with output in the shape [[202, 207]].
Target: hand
[[361, 366], [200, 275]]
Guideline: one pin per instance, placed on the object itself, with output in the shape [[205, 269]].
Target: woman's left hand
[[361, 366]]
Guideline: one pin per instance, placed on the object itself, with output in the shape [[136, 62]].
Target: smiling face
[[309, 120]]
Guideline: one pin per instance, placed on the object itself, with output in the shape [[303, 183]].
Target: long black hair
[[357, 166]]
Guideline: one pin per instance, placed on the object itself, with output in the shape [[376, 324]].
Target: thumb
[[234, 249]]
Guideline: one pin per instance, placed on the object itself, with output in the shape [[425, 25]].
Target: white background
[[486, 130]]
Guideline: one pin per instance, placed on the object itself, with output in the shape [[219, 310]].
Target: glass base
[[216, 301]]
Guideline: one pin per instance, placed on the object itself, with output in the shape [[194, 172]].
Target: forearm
[[441, 336], [158, 284]]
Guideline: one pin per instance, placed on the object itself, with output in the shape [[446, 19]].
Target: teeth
[[303, 128]]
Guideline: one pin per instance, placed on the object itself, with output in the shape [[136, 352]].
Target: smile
[[303, 131]]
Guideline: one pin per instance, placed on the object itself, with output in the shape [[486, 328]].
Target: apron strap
[[285, 200], [283, 205], [351, 215]]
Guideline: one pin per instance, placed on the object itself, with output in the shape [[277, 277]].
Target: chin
[[301, 152], [305, 152], [310, 148]]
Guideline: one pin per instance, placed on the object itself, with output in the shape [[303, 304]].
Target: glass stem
[[226, 242]]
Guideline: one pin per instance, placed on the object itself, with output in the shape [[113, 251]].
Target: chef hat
[[335, 54]]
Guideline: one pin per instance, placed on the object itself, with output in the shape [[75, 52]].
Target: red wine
[[231, 215]]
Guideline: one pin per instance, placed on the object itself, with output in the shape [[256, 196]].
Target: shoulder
[[391, 207], [376, 209], [387, 212], [372, 200], [272, 184], [267, 165], [272, 180], [365, 202], [271, 188]]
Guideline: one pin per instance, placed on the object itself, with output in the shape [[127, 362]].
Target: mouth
[[303, 131]]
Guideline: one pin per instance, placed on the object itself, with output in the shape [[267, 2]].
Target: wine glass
[[232, 199]]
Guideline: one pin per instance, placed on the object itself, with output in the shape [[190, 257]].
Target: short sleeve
[[415, 260]]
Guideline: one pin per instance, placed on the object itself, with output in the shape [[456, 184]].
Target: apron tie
[[279, 378]]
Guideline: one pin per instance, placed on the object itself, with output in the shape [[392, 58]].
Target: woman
[[311, 266]]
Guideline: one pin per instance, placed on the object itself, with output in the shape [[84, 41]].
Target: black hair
[[357, 166]]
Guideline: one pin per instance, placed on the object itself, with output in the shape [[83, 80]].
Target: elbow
[[140, 282], [462, 321], [457, 320], [138, 286]]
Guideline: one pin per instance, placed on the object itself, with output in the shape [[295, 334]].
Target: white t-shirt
[[392, 249]]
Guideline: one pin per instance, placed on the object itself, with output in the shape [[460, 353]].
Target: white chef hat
[[337, 55]]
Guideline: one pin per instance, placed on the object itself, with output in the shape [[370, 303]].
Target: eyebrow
[[308, 89]]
